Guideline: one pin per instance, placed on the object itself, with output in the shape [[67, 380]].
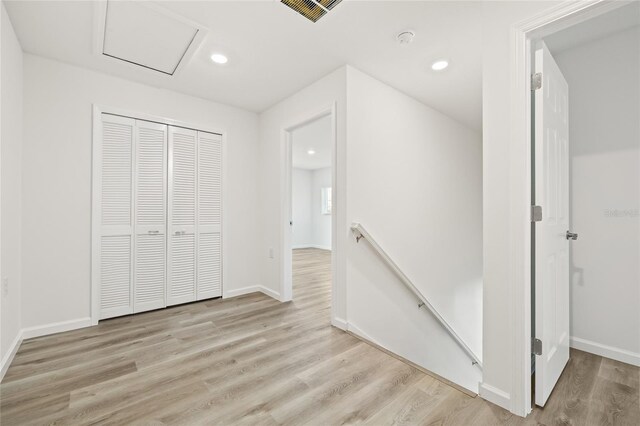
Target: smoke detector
[[405, 37]]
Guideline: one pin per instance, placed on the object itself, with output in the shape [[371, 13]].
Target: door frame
[[96, 158], [286, 275], [522, 36]]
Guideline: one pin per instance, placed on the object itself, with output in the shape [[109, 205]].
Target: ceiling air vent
[[311, 9]]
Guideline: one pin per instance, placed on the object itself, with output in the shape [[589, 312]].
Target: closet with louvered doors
[[194, 233], [157, 198]]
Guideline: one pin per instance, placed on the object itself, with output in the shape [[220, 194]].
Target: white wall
[[429, 168], [311, 228], [604, 121], [497, 330], [330, 90], [321, 223], [414, 181], [57, 181], [302, 232], [11, 205]]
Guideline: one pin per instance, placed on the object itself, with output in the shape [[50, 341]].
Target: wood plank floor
[[253, 360]]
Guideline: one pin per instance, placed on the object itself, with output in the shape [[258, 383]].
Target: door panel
[[117, 146], [181, 286], [551, 245], [116, 209], [209, 265], [150, 213], [209, 216], [149, 274], [115, 276]]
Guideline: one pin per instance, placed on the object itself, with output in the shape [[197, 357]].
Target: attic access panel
[[147, 36], [311, 9]]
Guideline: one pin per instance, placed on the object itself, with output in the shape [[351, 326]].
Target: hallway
[[253, 360]]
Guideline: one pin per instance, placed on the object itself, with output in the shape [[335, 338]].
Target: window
[[325, 206]]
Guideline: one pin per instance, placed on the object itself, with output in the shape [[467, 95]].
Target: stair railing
[[360, 232]]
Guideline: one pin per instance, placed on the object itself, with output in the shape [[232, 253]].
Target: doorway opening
[[311, 205], [309, 234], [585, 175]]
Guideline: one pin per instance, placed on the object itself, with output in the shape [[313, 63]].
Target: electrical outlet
[[270, 252], [5, 286]]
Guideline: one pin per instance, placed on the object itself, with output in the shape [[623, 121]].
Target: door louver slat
[[149, 272], [183, 259], [184, 180], [209, 266], [209, 179], [150, 200], [116, 173], [115, 272]]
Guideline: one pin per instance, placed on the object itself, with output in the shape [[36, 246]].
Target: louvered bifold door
[[115, 204], [181, 261], [149, 268], [209, 260]]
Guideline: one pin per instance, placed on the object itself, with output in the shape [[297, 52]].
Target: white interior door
[[114, 183], [150, 212], [209, 217], [181, 265], [551, 243]]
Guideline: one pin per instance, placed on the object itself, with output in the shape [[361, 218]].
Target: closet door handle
[[179, 233], [154, 232]]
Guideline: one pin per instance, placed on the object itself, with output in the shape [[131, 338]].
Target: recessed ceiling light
[[311, 152], [440, 65], [219, 58]]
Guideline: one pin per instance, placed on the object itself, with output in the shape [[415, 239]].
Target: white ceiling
[[619, 19], [314, 136], [274, 52]]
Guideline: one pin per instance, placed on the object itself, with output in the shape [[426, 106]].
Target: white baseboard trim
[[56, 327], [6, 360], [271, 293], [617, 354], [37, 331], [495, 396], [252, 289], [339, 323], [240, 291], [358, 332]]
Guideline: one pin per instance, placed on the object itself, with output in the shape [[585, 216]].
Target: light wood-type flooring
[[252, 360]]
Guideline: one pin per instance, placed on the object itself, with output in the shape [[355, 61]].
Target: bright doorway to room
[[311, 209]]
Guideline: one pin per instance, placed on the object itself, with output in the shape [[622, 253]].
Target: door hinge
[[536, 81], [536, 213], [536, 346]]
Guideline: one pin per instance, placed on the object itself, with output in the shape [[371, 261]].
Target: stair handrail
[[362, 233]]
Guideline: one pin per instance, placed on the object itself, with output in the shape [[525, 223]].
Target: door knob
[[571, 236]]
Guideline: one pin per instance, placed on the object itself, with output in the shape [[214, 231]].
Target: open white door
[[551, 233]]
